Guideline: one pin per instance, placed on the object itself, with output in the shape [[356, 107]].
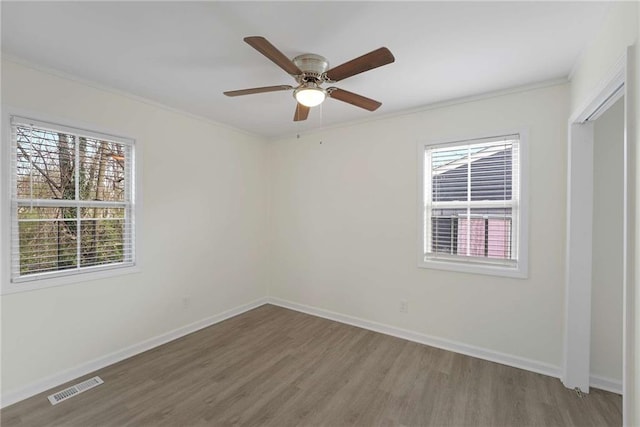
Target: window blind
[[72, 194], [471, 200]]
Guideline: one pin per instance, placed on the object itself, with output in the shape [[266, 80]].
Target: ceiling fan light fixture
[[309, 95]]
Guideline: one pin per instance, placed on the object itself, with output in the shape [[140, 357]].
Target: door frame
[[577, 327]]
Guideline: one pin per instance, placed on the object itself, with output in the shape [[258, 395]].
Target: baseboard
[[457, 347], [55, 380], [606, 384], [469, 350]]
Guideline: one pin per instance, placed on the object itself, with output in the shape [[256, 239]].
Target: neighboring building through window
[[473, 217], [72, 201]]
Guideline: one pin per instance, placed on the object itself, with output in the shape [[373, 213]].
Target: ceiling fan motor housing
[[313, 66]]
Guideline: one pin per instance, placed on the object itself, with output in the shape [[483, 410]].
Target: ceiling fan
[[311, 71]]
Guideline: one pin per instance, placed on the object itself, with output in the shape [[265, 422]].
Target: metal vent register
[[74, 390]]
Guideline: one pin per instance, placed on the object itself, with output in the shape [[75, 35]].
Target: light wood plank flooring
[[277, 367]]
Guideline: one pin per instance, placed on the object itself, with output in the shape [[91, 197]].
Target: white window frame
[[40, 281], [517, 269]]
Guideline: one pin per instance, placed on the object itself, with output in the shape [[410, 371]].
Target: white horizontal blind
[[72, 201], [472, 201]]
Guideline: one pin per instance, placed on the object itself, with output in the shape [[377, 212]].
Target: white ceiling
[[185, 54]]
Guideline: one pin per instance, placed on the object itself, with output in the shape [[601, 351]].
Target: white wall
[[345, 228], [607, 260], [203, 230], [608, 44]]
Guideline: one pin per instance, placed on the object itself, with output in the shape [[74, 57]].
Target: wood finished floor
[[277, 367]]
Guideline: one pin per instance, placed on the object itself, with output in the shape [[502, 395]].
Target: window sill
[[518, 272], [49, 282]]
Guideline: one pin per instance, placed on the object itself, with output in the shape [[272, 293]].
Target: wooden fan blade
[[257, 90], [366, 62], [353, 99], [302, 112], [263, 46]]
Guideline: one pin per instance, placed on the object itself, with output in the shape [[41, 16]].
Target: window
[[72, 202], [473, 219]]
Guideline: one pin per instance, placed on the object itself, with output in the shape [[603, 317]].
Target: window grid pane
[[45, 164], [47, 239], [102, 236], [480, 233]]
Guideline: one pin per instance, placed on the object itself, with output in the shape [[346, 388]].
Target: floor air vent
[[68, 393]]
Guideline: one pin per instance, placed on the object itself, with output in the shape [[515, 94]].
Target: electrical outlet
[[186, 302], [404, 306]]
